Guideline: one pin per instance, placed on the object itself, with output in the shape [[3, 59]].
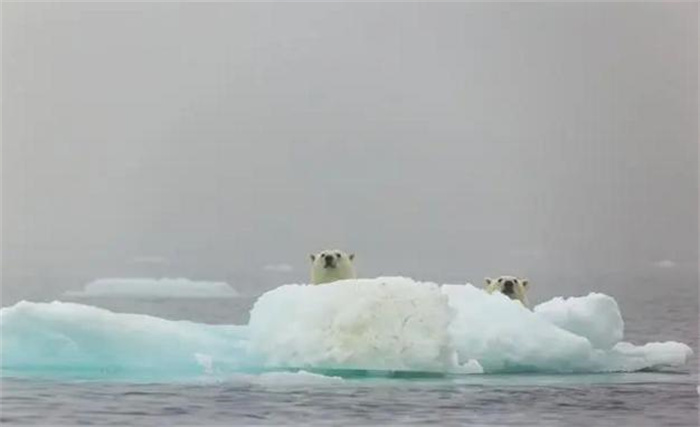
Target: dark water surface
[[651, 399]]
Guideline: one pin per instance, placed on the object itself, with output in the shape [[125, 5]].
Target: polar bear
[[331, 265], [510, 286]]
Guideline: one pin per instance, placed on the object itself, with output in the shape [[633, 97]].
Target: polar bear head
[[331, 265], [510, 286]]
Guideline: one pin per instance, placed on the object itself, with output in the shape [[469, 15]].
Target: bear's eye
[[338, 254], [500, 280]]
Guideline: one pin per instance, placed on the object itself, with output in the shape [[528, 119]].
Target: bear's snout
[[329, 260], [508, 287]]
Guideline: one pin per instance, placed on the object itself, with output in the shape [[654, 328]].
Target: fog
[[446, 142]]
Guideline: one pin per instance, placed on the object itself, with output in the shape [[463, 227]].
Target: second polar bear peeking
[[331, 265], [510, 286]]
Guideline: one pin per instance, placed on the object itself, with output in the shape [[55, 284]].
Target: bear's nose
[[508, 286], [328, 257]]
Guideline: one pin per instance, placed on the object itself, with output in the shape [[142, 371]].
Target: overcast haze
[[441, 141]]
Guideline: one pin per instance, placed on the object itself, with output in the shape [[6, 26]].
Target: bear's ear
[[488, 281], [525, 283], [313, 257], [352, 257]]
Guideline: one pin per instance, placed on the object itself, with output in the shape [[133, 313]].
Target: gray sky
[[441, 141]]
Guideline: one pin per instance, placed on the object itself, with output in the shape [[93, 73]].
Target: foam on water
[[291, 379], [374, 325]]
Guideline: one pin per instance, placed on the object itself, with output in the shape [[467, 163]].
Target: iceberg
[[372, 326], [154, 288]]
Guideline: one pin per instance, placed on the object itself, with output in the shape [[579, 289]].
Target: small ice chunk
[[628, 357], [279, 268], [665, 263], [154, 288], [595, 317]]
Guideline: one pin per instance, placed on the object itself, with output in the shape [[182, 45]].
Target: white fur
[[341, 267], [520, 287]]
